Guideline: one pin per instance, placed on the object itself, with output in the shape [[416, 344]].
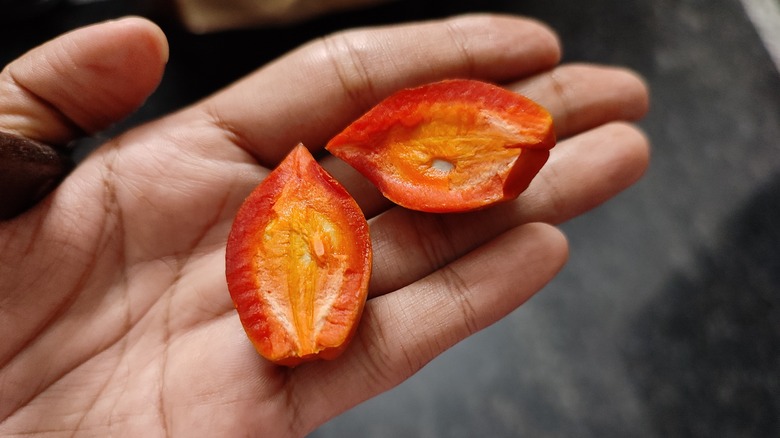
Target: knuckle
[[460, 291], [434, 238], [348, 58]]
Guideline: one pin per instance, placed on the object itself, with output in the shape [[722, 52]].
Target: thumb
[[74, 85], [82, 81]]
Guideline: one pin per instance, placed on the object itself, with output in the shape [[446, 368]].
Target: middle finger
[[586, 170]]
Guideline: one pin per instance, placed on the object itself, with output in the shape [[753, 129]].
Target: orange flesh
[[444, 152], [449, 146], [298, 263]]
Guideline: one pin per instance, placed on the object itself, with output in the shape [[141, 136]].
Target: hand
[[114, 313]]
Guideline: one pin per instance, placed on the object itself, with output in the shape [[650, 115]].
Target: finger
[[584, 171], [579, 97], [371, 201], [402, 331], [82, 81], [313, 93]]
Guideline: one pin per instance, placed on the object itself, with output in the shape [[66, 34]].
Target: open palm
[[114, 312]]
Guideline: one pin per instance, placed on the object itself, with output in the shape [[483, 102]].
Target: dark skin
[[114, 312]]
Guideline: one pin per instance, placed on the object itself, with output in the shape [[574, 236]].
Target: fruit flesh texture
[[298, 261], [450, 146]]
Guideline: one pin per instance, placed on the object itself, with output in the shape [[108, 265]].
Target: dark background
[[665, 322]]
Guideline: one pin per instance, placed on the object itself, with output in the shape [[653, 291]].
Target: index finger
[[314, 92]]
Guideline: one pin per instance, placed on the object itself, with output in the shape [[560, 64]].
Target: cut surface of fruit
[[454, 145], [298, 261]]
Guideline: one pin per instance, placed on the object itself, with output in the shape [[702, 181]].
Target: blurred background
[[666, 321]]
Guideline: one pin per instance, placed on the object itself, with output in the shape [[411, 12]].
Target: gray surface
[[665, 321]]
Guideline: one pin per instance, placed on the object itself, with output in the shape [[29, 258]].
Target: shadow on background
[[705, 353]]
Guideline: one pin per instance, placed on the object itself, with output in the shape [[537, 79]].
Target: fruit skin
[[449, 146], [298, 263]]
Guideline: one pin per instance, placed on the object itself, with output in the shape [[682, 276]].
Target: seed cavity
[[442, 165]]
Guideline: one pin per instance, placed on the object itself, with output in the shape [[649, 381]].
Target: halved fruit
[[449, 146], [298, 261]]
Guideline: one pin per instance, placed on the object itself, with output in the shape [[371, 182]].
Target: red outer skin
[[246, 256], [365, 143]]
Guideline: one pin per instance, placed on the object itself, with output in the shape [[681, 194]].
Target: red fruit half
[[449, 146], [298, 261]]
